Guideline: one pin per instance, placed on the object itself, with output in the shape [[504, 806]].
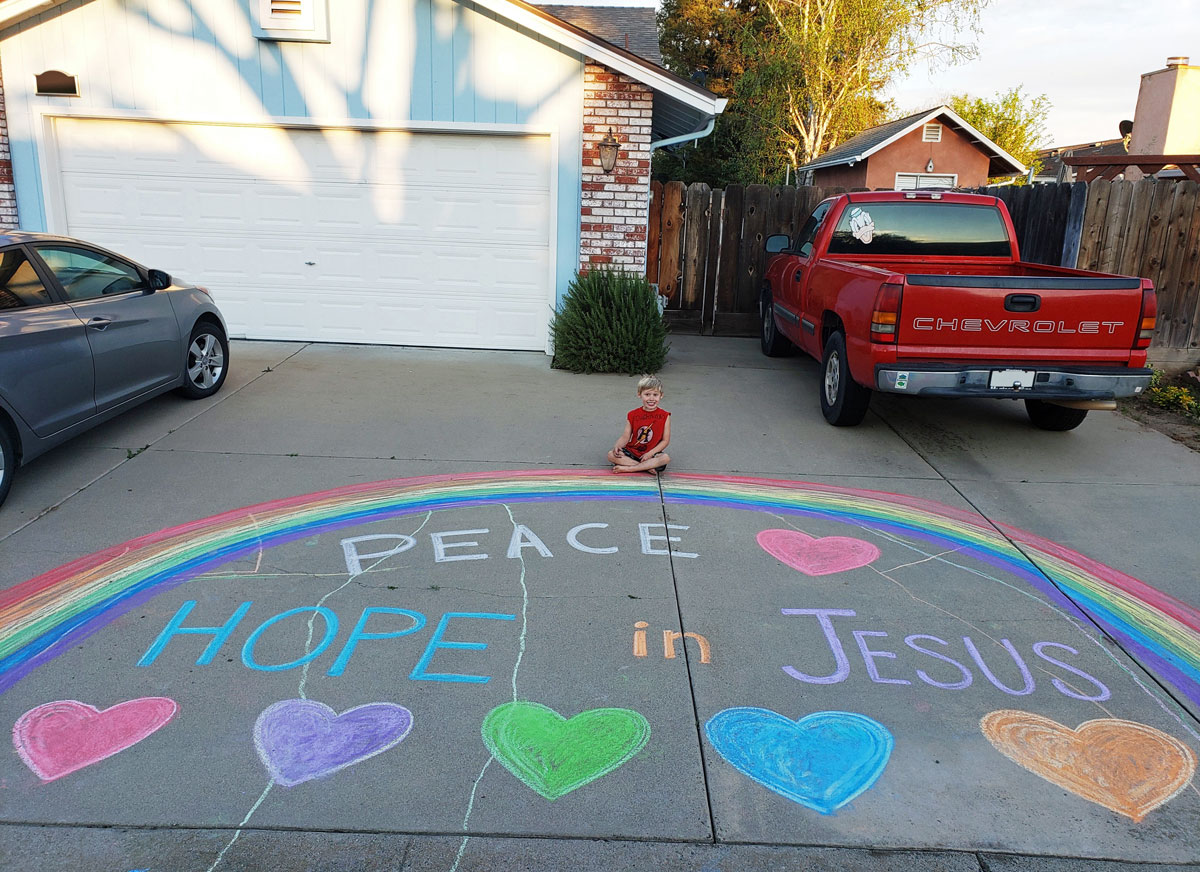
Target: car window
[[86, 274], [804, 239], [19, 283], [921, 228]]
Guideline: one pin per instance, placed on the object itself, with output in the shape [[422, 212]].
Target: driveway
[[377, 608]]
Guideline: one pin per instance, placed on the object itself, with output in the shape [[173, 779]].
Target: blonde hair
[[649, 383]]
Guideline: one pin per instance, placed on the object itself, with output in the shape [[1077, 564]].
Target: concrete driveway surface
[[382, 608]]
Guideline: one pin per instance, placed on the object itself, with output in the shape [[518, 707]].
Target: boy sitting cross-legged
[[647, 432]]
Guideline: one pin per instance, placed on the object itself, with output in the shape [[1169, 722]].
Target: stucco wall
[[908, 154], [390, 63]]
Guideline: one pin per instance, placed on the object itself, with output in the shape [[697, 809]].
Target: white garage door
[[330, 235]]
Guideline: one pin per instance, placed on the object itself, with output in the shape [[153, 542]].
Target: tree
[[1011, 119], [702, 40], [805, 75]]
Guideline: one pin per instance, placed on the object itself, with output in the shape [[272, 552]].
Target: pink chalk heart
[[61, 737], [817, 556]]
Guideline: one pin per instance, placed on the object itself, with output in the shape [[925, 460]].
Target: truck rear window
[[929, 229]]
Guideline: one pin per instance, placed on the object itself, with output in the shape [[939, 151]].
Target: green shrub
[[609, 322], [1177, 397]]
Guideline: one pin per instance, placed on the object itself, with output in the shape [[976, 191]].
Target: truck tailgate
[[1018, 317]]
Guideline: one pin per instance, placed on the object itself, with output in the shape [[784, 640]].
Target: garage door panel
[[413, 238]]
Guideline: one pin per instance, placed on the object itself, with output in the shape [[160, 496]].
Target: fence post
[[653, 232], [716, 219], [695, 248], [672, 233], [1074, 232]]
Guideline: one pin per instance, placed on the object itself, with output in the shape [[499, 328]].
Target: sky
[[1086, 57]]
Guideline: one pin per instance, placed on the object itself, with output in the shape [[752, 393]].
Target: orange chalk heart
[[1126, 767], [814, 556]]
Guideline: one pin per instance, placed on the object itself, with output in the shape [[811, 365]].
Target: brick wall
[[615, 205], [8, 193]]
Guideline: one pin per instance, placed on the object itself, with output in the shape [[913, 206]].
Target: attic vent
[[931, 133], [294, 20], [287, 14]]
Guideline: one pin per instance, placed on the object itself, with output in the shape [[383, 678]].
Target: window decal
[[862, 227]]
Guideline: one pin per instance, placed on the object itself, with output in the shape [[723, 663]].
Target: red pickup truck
[[924, 293]]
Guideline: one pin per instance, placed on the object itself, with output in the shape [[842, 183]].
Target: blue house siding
[[387, 63]]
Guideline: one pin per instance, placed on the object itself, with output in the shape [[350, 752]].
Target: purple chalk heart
[[299, 739]]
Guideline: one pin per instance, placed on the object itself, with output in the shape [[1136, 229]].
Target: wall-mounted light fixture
[[929, 166], [608, 152], [54, 83]]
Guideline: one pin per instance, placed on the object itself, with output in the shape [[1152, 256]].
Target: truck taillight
[[886, 315], [1148, 318]]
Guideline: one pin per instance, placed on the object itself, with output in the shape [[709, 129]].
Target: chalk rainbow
[[42, 617]]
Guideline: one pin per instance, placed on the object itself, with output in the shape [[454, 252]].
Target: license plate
[[1011, 379]]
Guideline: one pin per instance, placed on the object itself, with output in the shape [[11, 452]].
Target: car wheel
[[843, 400], [8, 461], [1047, 416], [774, 344], [207, 362]]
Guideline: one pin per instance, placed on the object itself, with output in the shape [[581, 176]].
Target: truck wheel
[[774, 344], [843, 400], [1047, 416]]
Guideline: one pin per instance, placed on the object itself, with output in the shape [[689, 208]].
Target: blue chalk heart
[[821, 761]]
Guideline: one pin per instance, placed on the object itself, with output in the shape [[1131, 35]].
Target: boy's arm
[[662, 443], [625, 436]]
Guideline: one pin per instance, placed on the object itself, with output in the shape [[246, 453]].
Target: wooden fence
[[705, 247]]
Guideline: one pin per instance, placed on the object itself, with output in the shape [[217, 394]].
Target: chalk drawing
[[301, 739], [48, 615], [554, 755], [822, 761], [61, 737], [814, 556], [1125, 766]]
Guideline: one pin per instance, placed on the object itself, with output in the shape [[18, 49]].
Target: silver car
[[86, 334]]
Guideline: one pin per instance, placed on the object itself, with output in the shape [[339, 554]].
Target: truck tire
[[843, 400], [774, 344], [1047, 416]]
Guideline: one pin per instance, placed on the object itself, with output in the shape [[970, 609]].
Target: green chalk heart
[[554, 755]]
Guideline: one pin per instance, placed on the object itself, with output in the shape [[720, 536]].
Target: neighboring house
[[416, 172], [932, 149], [1050, 160]]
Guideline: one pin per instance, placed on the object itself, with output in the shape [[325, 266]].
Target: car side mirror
[[159, 280], [777, 243]]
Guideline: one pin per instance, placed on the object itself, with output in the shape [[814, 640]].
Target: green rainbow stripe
[[44, 616]]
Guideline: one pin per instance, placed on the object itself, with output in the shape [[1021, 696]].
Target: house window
[[931, 133], [913, 181], [293, 20]]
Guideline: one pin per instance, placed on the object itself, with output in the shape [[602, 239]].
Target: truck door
[[795, 286]]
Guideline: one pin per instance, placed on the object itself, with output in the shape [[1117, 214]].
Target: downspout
[[697, 134]]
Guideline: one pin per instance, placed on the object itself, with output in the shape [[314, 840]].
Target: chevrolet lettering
[[979, 325]]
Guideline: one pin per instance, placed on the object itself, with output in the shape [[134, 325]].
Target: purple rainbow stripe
[[42, 617]]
